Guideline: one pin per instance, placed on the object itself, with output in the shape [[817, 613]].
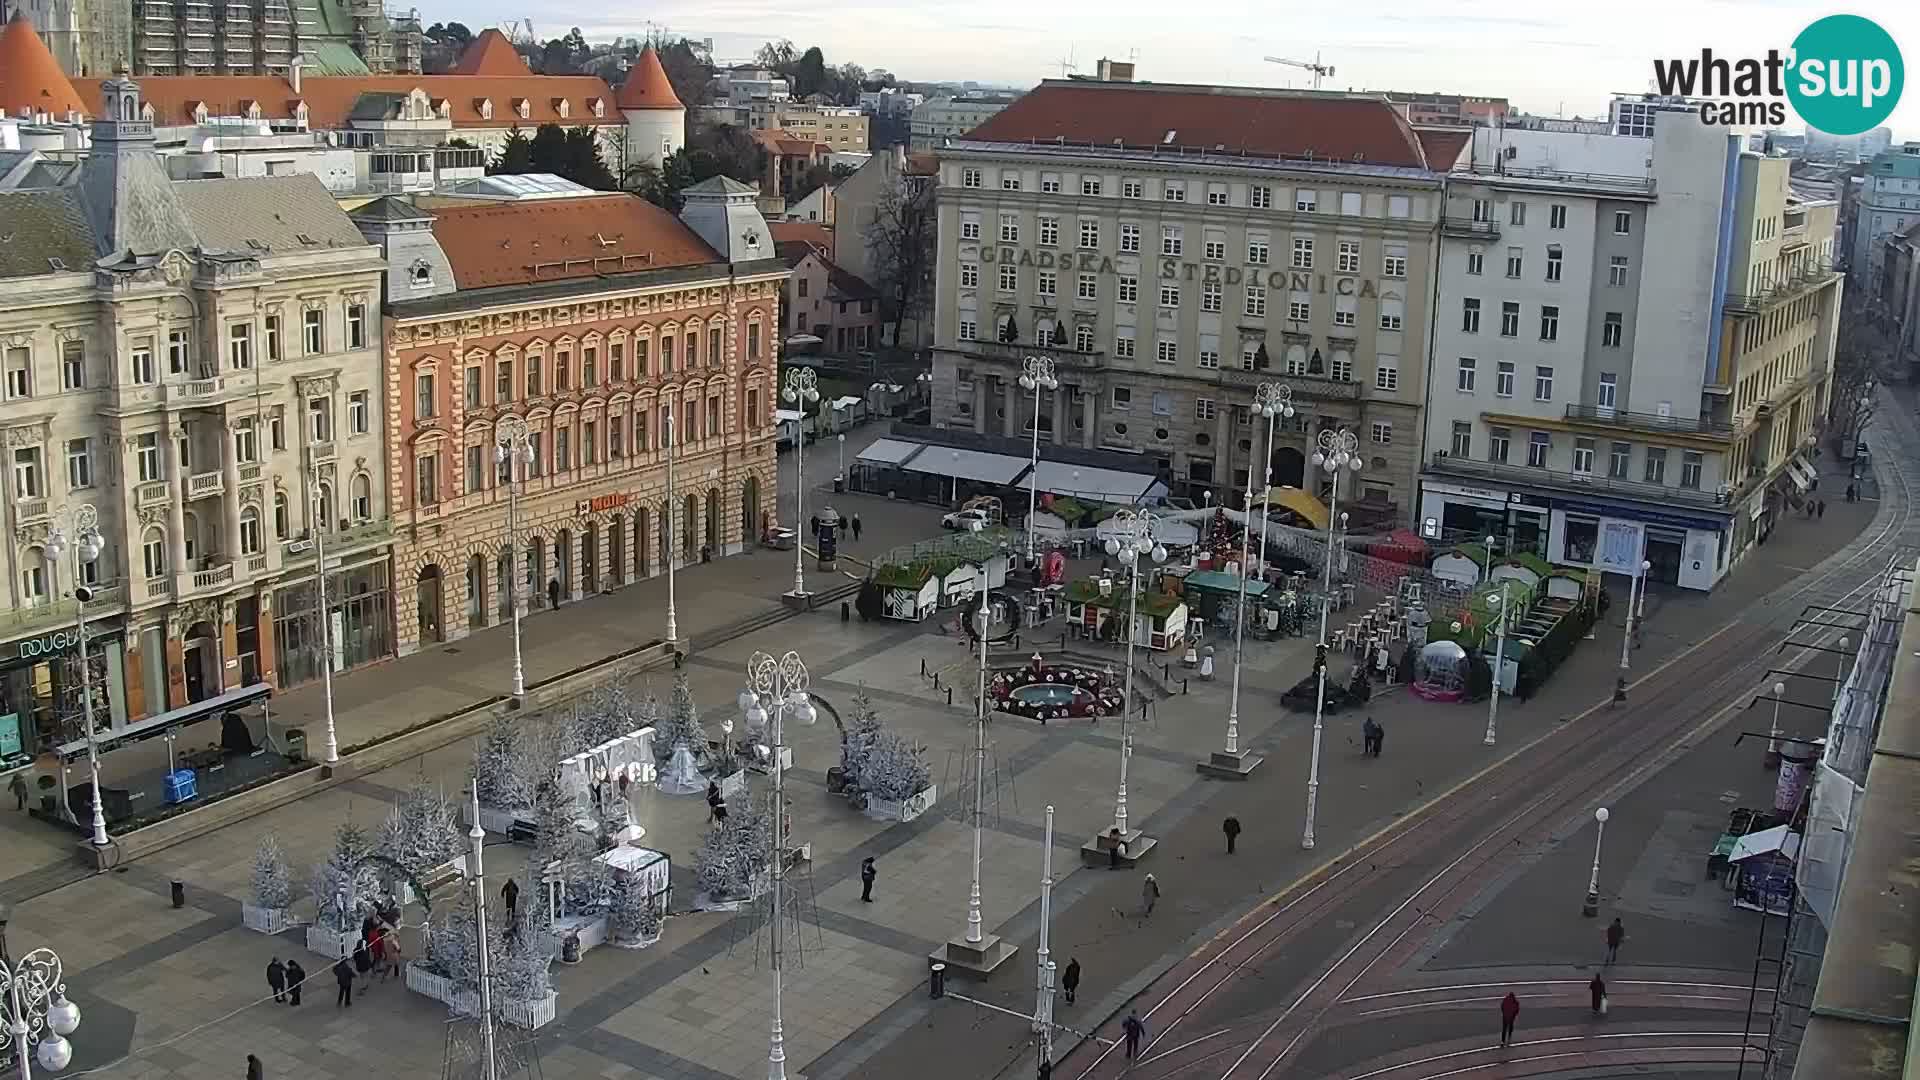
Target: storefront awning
[[1292, 498], [893, 452], [1780, 838], [975, 465], [1803, 472], [157, 726], [1092, 484]]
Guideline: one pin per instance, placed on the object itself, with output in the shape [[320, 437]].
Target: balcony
[[1587, 483], [1467, 229], [213, 577], [151, 493], [56, 614], [1654, 422], [202, 485], [1802, 281], [28, 511], [257, 564], [159, 588], [1309, 387], [319, 453], [1014, 353], [200, 393]]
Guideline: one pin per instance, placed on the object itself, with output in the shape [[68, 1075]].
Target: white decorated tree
[[344, 890], [733, 856], [523, 969], [422, 832], [272, 877], [605, 714], [679, 723], [635, 914], [896, 768], [498, 769], [562, 849], [862, 730]]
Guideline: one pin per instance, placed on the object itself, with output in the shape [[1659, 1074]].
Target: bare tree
[[1858, 355], [901, 238]]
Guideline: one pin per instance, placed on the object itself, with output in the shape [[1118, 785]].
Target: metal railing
[[1015, 352], [1794, 285], [1640, 184], [1315, 387], [1444, 462], [1453, 225], [1649, 421]]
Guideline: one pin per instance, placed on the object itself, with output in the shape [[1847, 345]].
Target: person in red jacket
[[1509, 1012]]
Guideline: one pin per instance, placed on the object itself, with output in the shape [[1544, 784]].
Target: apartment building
[[1448, 110], [1886, 204], [934, 122], [616, 336], [1170, 259], [196, 363], [839, 128], [1631, 347]]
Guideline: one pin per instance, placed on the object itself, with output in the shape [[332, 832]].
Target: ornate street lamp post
[[1337, 450], [79, 529], [1035, 375], [513, 447], [1275, 402], [778, 686], [38, 1017], [1131, 539], [801, 387]]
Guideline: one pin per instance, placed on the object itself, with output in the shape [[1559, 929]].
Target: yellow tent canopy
[[1292, 498]]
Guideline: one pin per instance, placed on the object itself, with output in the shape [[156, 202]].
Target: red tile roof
[[647, 85], [1444, 146], [781, 143], [804, 232], [491, 54], [539, 240], [30, 78], [1262, 122], [330, 99]]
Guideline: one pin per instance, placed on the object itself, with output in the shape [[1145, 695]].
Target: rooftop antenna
[[1066, 63], [1319, 70]]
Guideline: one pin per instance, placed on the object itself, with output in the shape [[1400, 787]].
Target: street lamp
[[1498, 600], [1035, 375], [1272, 400], [1592, 906], [1337, 449], [669, 430], [33, 1002], [1637, 583], [840, 473], [1231, 763], [1772, 760], [778, 686], [482, 953], [319, 512], [79, 529], [801, 386], [514, 446], [1840, 667], [1131, 538]]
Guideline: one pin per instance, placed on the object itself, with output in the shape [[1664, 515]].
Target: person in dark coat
[[1070, 979], [856, 527], [1598, 988], [867, 874], [1509, 1012], [1134, 1028], [362, 961], [1820, 509], [343, 977], [255, 1070], [1231, 827], [1372, 735], [716, 803], [510, 893], [553, 592], [1149, 894], [1615, 935], [296, 975], [277, 979]]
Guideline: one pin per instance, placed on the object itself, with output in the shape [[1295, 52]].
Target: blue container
[[180, 786]]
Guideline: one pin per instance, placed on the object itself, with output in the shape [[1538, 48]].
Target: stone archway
[[1289, 467], [713, 520], [200, 661], [426, 598], [476, 591], [687, 539], [642, 554], [617, 550], [750, 511]]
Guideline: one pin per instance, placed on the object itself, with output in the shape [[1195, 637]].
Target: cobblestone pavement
[[178, 993]]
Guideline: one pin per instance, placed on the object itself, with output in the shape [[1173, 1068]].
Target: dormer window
[[199, 112], [442, 108], [485, 107], [522, 108], [146, 112], [560, 106], [599, 107], [420, 274], [300, 115], [251, 109]]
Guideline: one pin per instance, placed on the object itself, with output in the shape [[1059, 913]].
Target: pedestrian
[[553, 592], [1046, 1071], [362, 961], [867, 874], [377, 950], [716, 803], [343, 978], [255, 1070], [815, 526], [1371, 735], [856, 527], [1231, 827], [369, 926], [1134, 1029], [1820, 509], [1149, 894], [277, 979], [296, 975], [18, 786], [390, 948], [1598, 988], [1509, 1012], [1116, 848], [510, 892], [1070, 979], [1852, 491], [1615, 935]]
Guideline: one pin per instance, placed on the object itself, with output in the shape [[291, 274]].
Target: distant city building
[[827, 303], [859, 202], [1887, 203], [890, 101], [1897, 295], [842, 128], [90, 38], [1862, 147], [940, 119], [1449, 109], [739, 87], [1634, 114]]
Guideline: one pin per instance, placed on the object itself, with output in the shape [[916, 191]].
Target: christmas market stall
[[1097, 609], [1762, 870], [910, 592]]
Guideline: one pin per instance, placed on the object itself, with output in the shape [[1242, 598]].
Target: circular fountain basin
[[1052, 695]]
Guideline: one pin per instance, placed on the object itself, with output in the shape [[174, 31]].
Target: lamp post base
[[1591, 907], [1134, 845], [798, 600], [976, 958], [1238, 765]]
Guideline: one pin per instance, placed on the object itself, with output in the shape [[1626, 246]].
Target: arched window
[[33, 576], [282, 525], [192, 522], [362, 497], [153, 552], [326, 515], [250, 531]]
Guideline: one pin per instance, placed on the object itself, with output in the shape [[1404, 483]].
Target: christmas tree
[[895, 769], [863, 729], [423, 832], [345, 890], [521, 956], [560, 849], [497, 768], [733, 856], [523, 970], [606, 714], [635, 912], [272, 877], [680, 723]]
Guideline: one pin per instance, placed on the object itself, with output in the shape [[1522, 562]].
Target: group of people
[[1596, 988], [377, 953]]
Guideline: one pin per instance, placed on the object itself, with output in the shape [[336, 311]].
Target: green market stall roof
[[1087, 591]]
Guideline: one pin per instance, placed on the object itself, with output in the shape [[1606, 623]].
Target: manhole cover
[[1674, 887]]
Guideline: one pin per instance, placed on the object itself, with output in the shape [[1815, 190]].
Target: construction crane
[[1319, 70]]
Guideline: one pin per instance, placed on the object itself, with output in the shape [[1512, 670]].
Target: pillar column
[[176, 505], [1086, 417], [176, 669], [1060, 415], [269, 667], [133, 662], [1011, 406], [230, 499]]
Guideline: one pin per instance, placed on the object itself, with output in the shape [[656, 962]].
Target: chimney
[[293, 71]]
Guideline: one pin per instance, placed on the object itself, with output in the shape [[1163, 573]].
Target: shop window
[[1582, 536]]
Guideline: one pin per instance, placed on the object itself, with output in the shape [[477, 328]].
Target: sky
[[1552, 57]]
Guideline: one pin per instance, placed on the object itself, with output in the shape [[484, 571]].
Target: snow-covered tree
[[423, 831], [559, 847], [272, 877], [520, 956], [732, 857], [605, 714], [635, 912], [344, 890], [863, 728], [679, 723], [497, 767], [896, 769], [523, 970]]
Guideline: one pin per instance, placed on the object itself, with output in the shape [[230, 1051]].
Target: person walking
[[1820, 509], [1615, 935], [716, 804], [856, 528], [867, 874], [255, 1070], [18, 786], [1598, 989], [510, 893], [362, 961], [296, 975], [390, 949], [277, 979], [1231, 827], [1509, 1012], [343, 978], [1134, 1028], [377, 950], [1070, 979], [1116, 848], [1149, 894], [1372, 735]]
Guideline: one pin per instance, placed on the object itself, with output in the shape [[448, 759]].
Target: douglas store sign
[[41, 647]]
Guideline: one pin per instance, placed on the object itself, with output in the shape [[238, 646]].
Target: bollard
[[178, 891], [949, 695], [1183, 685], [936, 680], [937, 985], [846, 611], [923, 667]]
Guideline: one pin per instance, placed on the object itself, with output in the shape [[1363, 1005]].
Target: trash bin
[[296, 744], [839, 485]]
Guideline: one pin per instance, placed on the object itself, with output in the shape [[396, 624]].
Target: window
[[563, 367], [1466, 374], [753, 342], [1256, 301], [1622, 223], [1167, 352], [1348, 257], [1608, 388], [1299, 309], [1515, 261], [1343, 310], [1483, 210], [1205, 409], [1539, 444], [1162, 405], [146, 457], [1382, 433], [1518, 211], [1257, 251], [1509, 319], [27, 483], [153, 552], [1089, 185], [246, 441], [563, 448], [1129, 289], [314, 331], [1557, 216], [1209, 357], [1583, 456], [970, 178], [1122, 398], [502, 382], [1216, 194], [250, 538], [240, 346], [1260, 197], [1133, 189], [1617, 271], [1009, 278], [969, 330], [1610, 330], [1087, 287], [536, 365], [360, 497], [1172, 241], [1462, 439], [1340, 368], [1047, 284], [1386, 372], [716, 354], [1089, 232], [1656, 465], [969, 226], [1503, 373], [1049, 231], [73, 365], [1050, 183], [319, 419], [1210, 295], [422, 400], [1123, 346], [1392, 311], [1553, 262], [1174, 191], [1305, 200], [1549, 323], [1350, 203], [1129, 237], [79, 463], [1216, 250], [1393, 264], [1618, 458], [426, 479], [1691, 462], [273, 337], [140, 364], [1303, 253], [1009, 180], [1498, 439], [356, 326], [1476, 262], [1470, 315], [178, 346], [1009, 228], [1542, 383]]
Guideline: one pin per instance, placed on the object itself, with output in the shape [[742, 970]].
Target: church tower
[[656, 120]]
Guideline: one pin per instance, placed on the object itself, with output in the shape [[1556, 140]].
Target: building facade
[[935, 121], [1631, 347], [1450, 109], [197, 362], [1886, 204], [630, 321], [826, 302], [1167, 284]]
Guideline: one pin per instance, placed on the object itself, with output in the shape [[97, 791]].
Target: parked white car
[[965, 520]]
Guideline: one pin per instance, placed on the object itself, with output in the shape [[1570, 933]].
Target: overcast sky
[[1548, 56]]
